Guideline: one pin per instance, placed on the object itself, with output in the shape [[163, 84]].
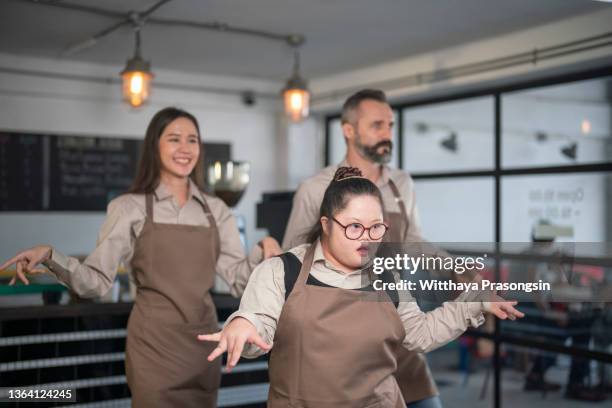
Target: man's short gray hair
[[352, 103]]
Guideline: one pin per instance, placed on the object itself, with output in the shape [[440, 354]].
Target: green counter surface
[[31, 288]]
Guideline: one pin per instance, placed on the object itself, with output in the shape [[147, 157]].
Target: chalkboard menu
[[21, 171], [71, 173], [88, 172]]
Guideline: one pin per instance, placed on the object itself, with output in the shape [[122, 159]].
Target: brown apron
[[333, 347], [412, 374], [174, 270]]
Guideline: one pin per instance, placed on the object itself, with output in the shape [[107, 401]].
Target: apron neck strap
[[212, 223], [402, 207], [149, 205], [398, 199], [306, 265], [211, 219]]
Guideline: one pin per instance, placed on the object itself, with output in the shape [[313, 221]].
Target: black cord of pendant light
[[295, 41], [137, 45], [296, 61], [137, 22]]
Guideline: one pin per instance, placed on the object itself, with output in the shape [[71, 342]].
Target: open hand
[[503, 309], [27, 262], [232, 339]]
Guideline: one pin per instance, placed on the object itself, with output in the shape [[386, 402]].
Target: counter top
[[86, 308]]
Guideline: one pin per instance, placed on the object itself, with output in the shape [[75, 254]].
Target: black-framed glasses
[[355, 230]]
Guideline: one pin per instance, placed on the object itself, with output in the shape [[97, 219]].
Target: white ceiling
[[341, 34]]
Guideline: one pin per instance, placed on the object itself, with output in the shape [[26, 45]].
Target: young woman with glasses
[[335, 339]]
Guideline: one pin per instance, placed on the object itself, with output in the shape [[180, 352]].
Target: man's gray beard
[[372, 155]]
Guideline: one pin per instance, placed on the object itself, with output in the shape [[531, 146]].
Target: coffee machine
[[228, 180]]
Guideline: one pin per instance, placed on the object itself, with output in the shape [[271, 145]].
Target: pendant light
[[295, 94], [136, 77]]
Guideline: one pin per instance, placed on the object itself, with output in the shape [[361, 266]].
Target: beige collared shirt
[[123, 224], [309, 195], [264, 297]]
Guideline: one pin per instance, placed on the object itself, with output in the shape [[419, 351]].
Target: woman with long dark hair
[[175, 239], [335, 339]]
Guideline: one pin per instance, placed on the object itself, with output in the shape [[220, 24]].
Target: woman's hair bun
[[346, 172]]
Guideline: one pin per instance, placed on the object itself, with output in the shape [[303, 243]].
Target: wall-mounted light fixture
[[541, 136], [450, 143], [570, 151], [421, 127]]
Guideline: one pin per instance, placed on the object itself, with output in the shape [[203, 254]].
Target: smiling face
[[348, 253], [179, 149]]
